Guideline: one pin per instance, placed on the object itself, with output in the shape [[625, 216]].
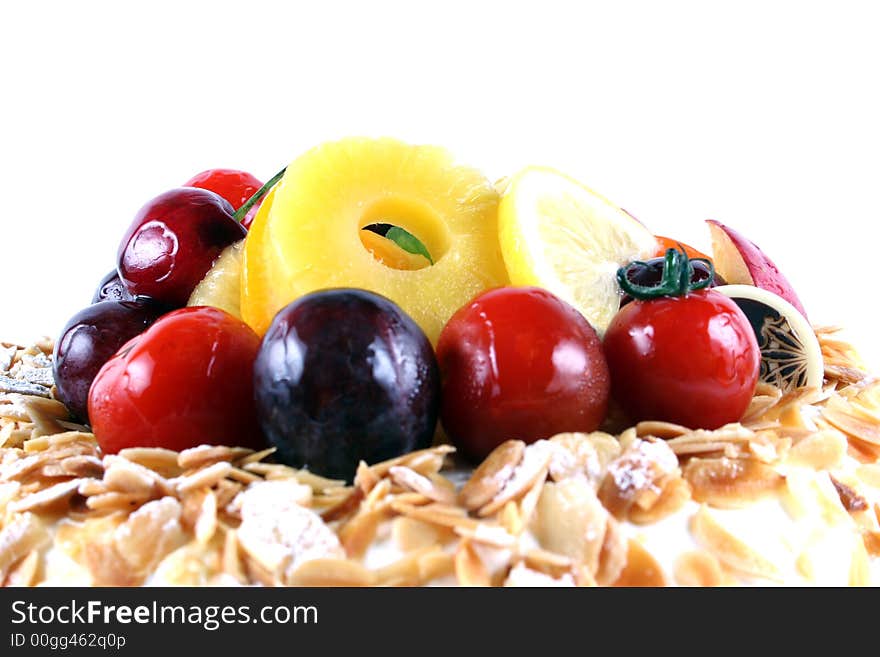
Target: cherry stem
[[676, 281], [261, 192]]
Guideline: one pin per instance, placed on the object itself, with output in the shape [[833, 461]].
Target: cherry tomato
[[233, 185], [692, 360], [186, 381], [519, 363]]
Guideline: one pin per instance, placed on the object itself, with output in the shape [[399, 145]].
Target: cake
[[790, 495], [380, 369]]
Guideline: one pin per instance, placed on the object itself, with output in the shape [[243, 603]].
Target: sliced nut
[[730, 483], [730, 550], [488, 480]]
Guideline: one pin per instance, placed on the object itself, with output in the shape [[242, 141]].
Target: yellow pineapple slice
[[309, 233]]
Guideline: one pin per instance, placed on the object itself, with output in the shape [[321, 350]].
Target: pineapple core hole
[[416, 219]]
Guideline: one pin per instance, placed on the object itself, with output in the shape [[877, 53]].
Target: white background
[[762, 115]]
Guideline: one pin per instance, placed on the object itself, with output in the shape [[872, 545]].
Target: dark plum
[[111, 288], [88, 341], [650, 273], [344, 375], [173, 241]]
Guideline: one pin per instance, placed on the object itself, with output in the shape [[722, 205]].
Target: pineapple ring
[[306, 235]]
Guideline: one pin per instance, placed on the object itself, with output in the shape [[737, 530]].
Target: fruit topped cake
[[381, 369]]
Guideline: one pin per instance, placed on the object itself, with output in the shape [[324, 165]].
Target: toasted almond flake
[[427, 461], [509, 518], [469, 568], [492, 474], [821, 450], [418, 483], [84, 465], [24, 573], [225, 491], [159, 460], [256, 457], [331, 572], [317, 483], [548, 562], [92, 487], [434, 565], [18, 537], [114, 501], [637, 476], [358, 533], [523, 576], [149, 534], [206, 523], [405, 571], [660, 429], [20, 468], [279, 533], [423, 461], [243, 476], [206, 477], [613, 556], [491, 535], [871, 539], [124, 476], [698, 568], [344, 507], [673, 496], [231, 558], [533, 468], [364, 478], [204, 455], [730, 483], [569, 520], [434, 516], [729, 549], [410, 534], [850, 499], [851, 425], [50, 497]]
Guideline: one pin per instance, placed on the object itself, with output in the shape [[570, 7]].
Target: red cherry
[[173, 241], [186, 381], [519, 363], [233, 185]]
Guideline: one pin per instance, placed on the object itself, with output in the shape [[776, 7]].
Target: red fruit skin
[[186, 381], [764, 272], [691, 360], [519, 363], [233, 185], [173, 241]]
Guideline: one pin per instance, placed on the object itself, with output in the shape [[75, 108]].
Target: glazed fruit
[[344, 375], [221, 286], [650, 273], [89, 339], [560, 235], [308, 234], [743, 263], [685, 355], [233, 185], [186, 381], [173, 241], [111, 288], [519, 363]]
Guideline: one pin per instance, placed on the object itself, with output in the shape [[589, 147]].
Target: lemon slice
[[557, 234]]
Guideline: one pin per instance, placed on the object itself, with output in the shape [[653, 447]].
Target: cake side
[[789, 495]]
